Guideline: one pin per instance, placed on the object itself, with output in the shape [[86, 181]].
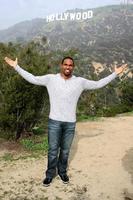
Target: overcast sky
[[14, 11]]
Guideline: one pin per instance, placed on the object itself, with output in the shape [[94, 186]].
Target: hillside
[[109, 25], [107, 37], [95, 44]]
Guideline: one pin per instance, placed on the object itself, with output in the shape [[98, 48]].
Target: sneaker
[[64, 178], [47, 181]]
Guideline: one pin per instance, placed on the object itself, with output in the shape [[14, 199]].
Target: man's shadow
[[78, 136]]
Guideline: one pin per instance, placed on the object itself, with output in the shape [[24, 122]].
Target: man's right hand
[[12, 63]]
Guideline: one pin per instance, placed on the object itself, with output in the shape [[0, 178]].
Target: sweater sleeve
[[36, 80], [92, 85]]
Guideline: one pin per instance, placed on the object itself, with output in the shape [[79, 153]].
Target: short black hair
[[67, 57]]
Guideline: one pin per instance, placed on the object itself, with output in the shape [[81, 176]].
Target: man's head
[[67, 66]]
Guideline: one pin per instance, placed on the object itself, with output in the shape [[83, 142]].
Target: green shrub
[[84, 117], [113, 110], [38, 130], [32, 145]]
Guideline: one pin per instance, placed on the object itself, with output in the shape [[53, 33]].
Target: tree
[[21, 102], [127, 94]]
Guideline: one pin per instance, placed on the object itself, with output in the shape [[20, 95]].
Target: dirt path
[[100, 168]]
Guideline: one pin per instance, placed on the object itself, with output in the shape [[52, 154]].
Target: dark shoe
[[47, 181], [64, 178]]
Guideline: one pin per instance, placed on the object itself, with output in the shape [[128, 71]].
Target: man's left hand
[[120, 69]]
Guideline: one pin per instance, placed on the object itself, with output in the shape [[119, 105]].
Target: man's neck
[[65, 77]]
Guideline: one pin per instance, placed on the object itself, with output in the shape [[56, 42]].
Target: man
[[64, 91]]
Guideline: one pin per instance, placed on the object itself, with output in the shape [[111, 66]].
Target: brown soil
[[100, 167]]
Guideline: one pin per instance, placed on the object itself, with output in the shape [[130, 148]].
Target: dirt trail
[[100, 167]]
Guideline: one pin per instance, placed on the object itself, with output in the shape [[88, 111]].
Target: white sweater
[[64, 94]]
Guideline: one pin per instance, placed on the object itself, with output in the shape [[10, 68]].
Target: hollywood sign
[[70, 16]]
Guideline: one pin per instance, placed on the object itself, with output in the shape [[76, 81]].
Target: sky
[[15, 11]]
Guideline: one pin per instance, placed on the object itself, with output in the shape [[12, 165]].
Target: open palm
[[120, 69], [12, 63]]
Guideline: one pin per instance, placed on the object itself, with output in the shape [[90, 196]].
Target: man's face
[[67, 67]]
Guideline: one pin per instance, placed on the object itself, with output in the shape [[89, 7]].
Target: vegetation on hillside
[[104, 40]]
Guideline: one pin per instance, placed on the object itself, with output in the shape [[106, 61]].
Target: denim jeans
[[60, 137]]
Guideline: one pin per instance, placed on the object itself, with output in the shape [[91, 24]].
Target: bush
[[38, 131], [113, 110], [31, 145]]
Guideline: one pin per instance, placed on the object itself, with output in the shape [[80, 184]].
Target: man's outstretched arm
[[91, 85], [36, 80]]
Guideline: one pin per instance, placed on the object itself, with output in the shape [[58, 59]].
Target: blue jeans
[[60, 137]]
